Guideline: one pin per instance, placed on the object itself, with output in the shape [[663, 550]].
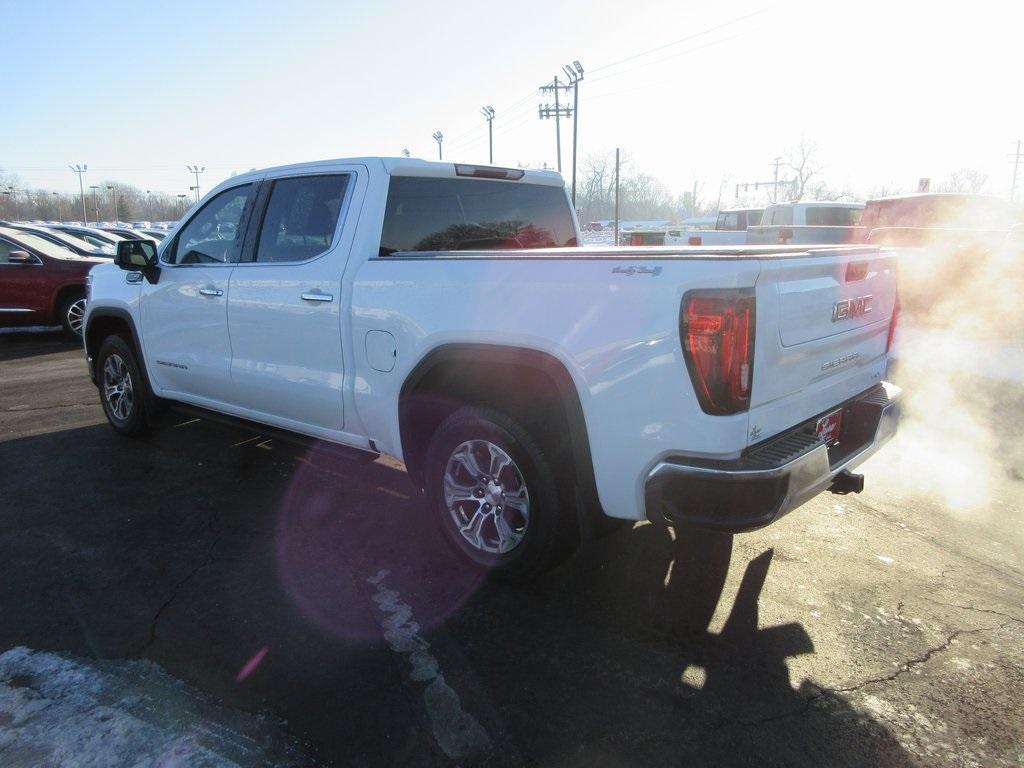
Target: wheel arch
[[61, 294], [107, 321], [516, 380]]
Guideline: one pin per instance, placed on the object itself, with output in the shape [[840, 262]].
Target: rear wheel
[[123, 390], [72, 314], [495, 493]]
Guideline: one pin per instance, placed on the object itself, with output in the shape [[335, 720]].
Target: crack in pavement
[[1006, 570], [207, 560], [978, 610], [902, 668]]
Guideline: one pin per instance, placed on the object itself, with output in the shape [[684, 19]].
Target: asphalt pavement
[[311, 593]]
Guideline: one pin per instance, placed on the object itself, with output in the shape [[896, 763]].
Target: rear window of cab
[[430, 214]]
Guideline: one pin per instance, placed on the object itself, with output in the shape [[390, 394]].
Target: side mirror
[[138, 256], [20, 257]]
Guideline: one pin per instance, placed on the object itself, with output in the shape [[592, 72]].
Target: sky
[[887, 92]]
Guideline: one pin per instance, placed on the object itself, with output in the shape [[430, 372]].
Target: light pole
[[149, 206], [113, 191], [438, 137], [488, 113], [95, 205], [575, 74], [196, 169], [184, 205], [60, 207], [81, 169]]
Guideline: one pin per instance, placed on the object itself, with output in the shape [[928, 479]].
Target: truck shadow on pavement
[[245, 568]]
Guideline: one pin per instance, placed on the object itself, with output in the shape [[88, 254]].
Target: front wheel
[[122, 388], [495, 493]]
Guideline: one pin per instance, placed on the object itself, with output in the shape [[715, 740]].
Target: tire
[[72, 313], [513, 524], [123, 389]]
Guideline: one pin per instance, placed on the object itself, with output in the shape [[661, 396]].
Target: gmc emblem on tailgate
[[855, 307]]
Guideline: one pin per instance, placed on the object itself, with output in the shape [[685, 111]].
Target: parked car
[[730, 229], [78, 246], [41, 283], [92, 235], [125, 232], [807, 222], [932, 217], [675, 386], [156, 234]]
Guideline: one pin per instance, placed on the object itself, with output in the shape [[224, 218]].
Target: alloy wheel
[[117, 387], [486, 496]]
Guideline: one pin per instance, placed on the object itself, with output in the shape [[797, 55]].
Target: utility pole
[[149, 205], [616, 195], [1016, 166], [575, 74], [439, 138], [196, 169], [81, 169], [184, 205], [488, 113], [95, 204], [546, 111], [60, 207], [113, 191], [775, 187]]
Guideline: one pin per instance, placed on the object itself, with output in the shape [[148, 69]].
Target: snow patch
[[56, 710]]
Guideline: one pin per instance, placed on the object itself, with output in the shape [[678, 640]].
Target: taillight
[[696, 240], [636, 240], [717, 329], [893, 321]]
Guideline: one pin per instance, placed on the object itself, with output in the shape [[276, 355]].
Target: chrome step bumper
[[773, 477]]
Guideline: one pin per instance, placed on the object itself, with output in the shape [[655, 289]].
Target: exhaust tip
[[847, 482]]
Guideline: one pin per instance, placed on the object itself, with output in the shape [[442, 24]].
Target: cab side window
[[214, 235], [301, 217]]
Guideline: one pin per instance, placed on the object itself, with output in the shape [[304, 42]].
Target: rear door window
[[301, 217], [427, 214]]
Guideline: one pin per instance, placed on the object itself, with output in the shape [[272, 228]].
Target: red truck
[[41, 283]]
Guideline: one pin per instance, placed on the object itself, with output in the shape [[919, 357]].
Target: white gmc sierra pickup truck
[[442, 314]]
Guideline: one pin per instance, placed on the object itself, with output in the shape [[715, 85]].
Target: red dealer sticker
[[828, 426]]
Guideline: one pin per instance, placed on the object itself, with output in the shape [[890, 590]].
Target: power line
[[694, 36]]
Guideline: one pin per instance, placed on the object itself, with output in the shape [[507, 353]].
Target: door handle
[[211, 291], [317, 297]]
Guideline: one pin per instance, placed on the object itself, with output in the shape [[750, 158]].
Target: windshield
[[44, 246]]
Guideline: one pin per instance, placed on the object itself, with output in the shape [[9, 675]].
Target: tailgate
[[822, 326]]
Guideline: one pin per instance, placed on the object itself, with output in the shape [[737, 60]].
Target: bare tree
[[965, 180], [803, 163]]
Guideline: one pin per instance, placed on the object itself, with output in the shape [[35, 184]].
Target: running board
[[305, 441]]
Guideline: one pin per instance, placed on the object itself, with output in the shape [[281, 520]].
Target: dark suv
[[41, 283]]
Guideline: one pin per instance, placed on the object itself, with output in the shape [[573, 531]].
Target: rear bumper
[[774, 477]]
